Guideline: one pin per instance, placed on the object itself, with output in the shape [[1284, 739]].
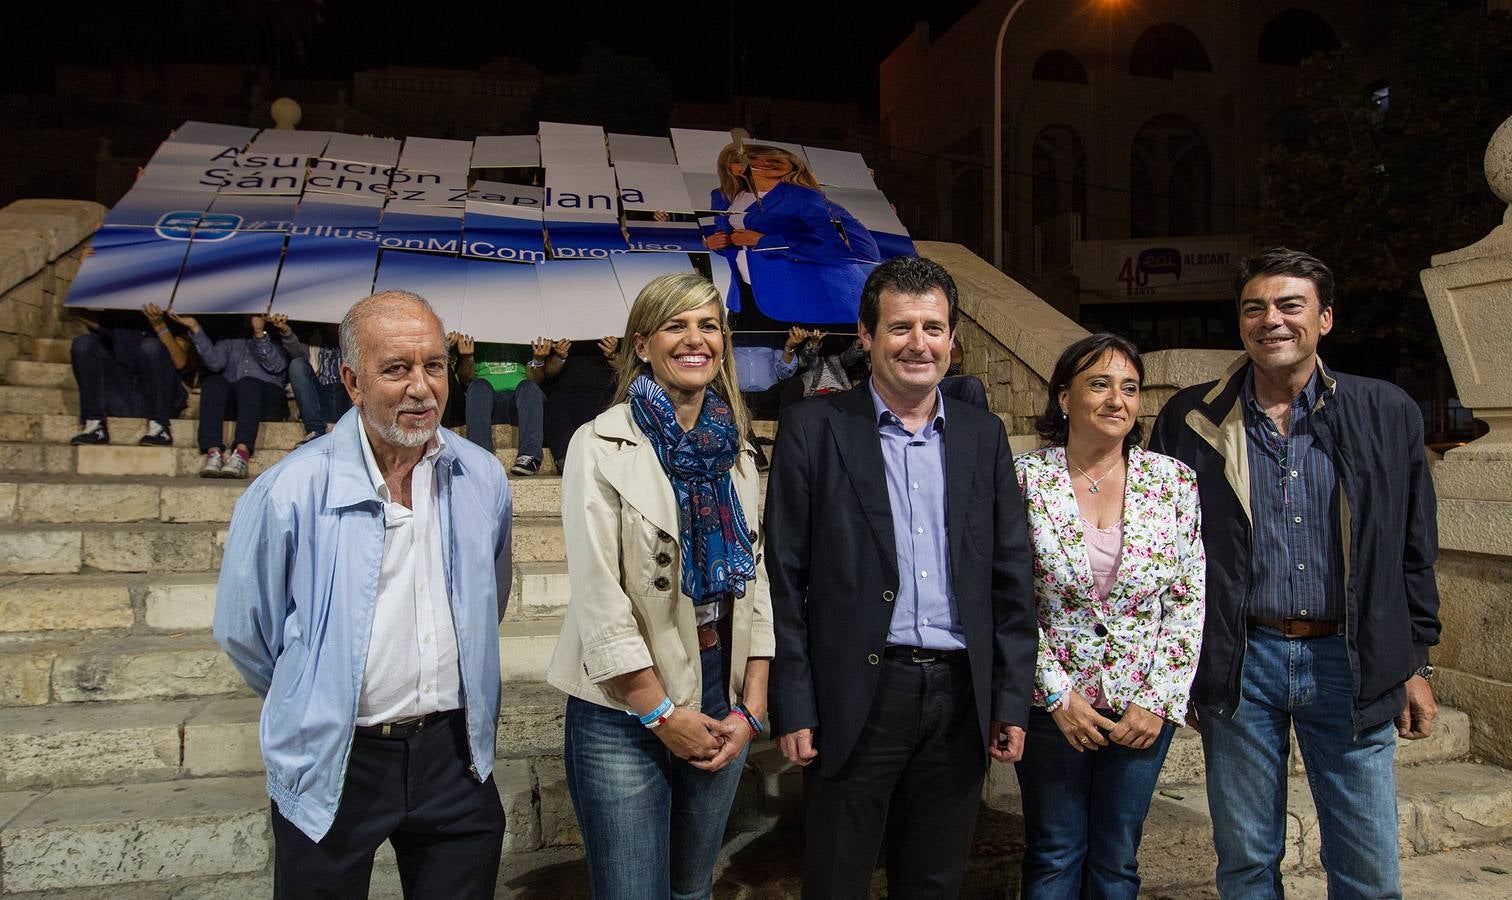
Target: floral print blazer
[[1140, 643]]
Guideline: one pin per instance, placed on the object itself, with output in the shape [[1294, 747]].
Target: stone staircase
[[128, 745]]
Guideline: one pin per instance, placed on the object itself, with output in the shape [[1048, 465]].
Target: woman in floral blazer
[[1119, 571]]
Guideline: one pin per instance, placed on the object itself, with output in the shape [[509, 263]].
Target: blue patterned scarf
[[717, 554]]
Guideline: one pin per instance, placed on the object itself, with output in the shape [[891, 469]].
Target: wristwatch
[[1425, 672]]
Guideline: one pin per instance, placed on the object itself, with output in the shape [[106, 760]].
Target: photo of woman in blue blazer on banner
[[794, 256]]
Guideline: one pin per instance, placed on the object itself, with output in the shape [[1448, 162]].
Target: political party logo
[[186, 224]]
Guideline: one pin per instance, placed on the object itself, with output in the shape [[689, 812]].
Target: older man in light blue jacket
[[363, 584]]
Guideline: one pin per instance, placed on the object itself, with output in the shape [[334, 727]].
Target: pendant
[[1093, 489]]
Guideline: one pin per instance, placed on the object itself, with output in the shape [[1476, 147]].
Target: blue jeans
[[1084, 813], [1304, 683], [652, 824], [125, 372], [523, 407], [318, 403]]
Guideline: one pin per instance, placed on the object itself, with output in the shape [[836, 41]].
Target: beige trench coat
[[624, 565]]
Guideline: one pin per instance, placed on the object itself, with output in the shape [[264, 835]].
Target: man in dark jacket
[[1319, 523]]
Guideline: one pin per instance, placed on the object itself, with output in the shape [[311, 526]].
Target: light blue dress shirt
[[758, 368], [295, 601], [924, 613]]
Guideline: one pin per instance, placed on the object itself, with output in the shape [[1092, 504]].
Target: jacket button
[[753, 537], [664, 537], [662, 583], [888, 596], [663, 559], [1100, 630], [873, 658]]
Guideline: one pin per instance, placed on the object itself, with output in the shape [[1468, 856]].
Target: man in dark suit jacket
[[900, 569]]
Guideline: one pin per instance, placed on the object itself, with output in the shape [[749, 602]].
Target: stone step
[[51, 350], [77, 744], [32, 373], [37, 669], [45, 400], [62, 499], [186, 601], [59, 429], [144, 833]]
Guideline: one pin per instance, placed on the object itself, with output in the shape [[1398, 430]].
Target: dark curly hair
[[1078, 358]]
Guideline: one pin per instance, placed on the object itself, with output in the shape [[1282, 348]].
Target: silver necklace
[[1094, 481]]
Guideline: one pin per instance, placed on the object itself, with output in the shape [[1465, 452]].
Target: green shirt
[[501, 365]]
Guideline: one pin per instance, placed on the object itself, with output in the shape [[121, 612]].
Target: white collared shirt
[[411, 666]]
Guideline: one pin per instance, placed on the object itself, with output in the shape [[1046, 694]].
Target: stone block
[[48, 401], [536, 496], [36, 459], [68, 223], [525, 647], [1488, 701], [530, 720], [126, 460], [39, 552], [18, 318], [538, 540], [71, 502], [39, 374], [54, 746], [181, 607], [1454, 805], [187, 461], [8, 494], [49, 349], [26, 674], [1475, 594], [33, 605], [559, 826], [97, 836], [141, 669], [210, 501], [522, 822], [150, 550], [540, 588], [221, 739]]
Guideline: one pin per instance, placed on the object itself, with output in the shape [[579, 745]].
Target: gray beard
[[391, 432]]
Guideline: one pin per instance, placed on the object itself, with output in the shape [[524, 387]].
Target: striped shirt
[[1296, 567]]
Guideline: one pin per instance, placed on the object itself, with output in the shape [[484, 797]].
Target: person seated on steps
[[314, 373], [503, 386], [579, 383], [244, 379], [129, 366]]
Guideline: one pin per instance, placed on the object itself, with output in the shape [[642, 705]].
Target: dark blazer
[[832, 563]]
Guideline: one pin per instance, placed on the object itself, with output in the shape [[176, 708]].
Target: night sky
[[814, 50]]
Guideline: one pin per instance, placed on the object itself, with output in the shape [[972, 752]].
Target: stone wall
[[41, 245]]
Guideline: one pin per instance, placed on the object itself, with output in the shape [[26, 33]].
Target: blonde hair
[[730, 186], [666, 297]]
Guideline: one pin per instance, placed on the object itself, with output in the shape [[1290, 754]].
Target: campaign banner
[[1195, 268], [323, 276], [433, 188], [420, 227], [146, 207], [508, 151], [328, 176], [127, 267], [229, 272], [441, 280], [582, 212], [871, 209], [338, 216], [504, 222], [581, 299], [255, 173], [663, 237], [251, 212], [503, 303], [652, 188]]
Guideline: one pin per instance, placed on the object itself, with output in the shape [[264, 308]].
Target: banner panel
[[339, 216], [840, 168], [328, 176], [582, 299], [573, 145], [288, 142], [435, 155], [509, 151], [421, 227], [872, 210], [363, 149], [154, 208], [129, 267], [634, 271], [652, 188], [252, 212], [697, 149], [503, 303], [441, 280], [231, 272], [639, 148], [323, 276], [193, 132]]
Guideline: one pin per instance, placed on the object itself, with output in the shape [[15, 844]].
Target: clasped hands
[[703, 742], [1086, 729]]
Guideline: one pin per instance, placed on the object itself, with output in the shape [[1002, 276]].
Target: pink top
[[1104, 546]]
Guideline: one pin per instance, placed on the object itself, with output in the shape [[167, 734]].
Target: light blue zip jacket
[[294, 605]]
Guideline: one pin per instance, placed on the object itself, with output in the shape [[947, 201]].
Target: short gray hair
[[367, 307]]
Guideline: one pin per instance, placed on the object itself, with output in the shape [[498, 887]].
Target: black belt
[[399, 729], [923, 655]]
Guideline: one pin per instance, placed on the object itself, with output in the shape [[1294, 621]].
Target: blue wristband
[[650, 718], [1051, 700]]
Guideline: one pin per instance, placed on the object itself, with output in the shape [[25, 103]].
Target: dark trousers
[[768, 404], [250, 400], [125, 372], [567, 412], [913, 784], [524, 407], [446, 828], [318, 403], [968, 388]]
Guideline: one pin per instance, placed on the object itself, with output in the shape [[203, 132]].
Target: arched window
[[1058, 65], [1060, 173], [1170, 180], [1293, 36], [1162, 49]]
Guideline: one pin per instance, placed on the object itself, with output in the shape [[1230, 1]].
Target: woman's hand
[[609, 345], [154, 314], [540, 348], [1080, 723], [742, 237], [719, 240], [1137, 729], [690, 735], [188, 322], [734, 733], [279, 321]]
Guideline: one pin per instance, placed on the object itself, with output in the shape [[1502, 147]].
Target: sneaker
[[94, 432], [235, 466], [213, 465], [158, 435], [309, 436], [525, 465]]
